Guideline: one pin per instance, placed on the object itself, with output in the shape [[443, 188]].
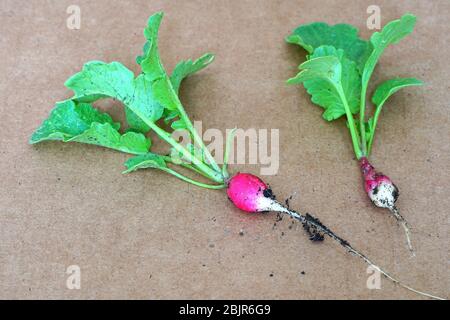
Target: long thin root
[[312, 223], [405, 226]]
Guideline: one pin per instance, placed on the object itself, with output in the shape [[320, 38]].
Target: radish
[[336, 74], [383, 193], [147, 98], [250, 194]]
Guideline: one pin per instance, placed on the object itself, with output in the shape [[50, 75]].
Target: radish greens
[[336, 74], [338, 70], [147, 98]]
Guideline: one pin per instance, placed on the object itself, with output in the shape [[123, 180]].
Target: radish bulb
[[250, 194], [383, 193], [337, 75]]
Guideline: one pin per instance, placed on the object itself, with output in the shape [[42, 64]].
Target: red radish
[[380, 189], [250, 194], [336, 74], [383, 193], [74, 120]]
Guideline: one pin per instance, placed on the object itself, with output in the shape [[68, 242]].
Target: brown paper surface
[[148, 235]]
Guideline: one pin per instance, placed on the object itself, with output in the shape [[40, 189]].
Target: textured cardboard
[[150, 236]]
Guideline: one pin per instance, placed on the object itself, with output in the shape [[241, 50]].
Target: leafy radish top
[[147, 98], [338, 69]]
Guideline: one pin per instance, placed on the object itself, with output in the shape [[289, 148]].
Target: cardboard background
[[148, 235]]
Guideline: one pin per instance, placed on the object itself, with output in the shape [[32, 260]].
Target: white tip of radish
[[384, 194], [249, 193], [269, 204]]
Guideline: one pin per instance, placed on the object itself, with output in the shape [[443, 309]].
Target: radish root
[[395, 212], [315, 229]]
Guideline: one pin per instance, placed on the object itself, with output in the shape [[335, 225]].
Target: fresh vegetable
[[337, 73], [150, 97], [383, 193], [249, 193], [147, 98]]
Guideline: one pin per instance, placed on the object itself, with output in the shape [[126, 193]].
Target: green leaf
[[144, 51], [149, 160], [322, 75], [104, 135], [185, 68], [327, 68], [178, 125], [68, 119], [150, 61], [135, 123], [170, 115], [389, 87], [341, 36], [182, 70], [152, 66], [71, 122], [145, 97], [166, 89], [98, 80], [392, 33]]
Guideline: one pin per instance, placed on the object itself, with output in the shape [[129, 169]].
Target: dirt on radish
[[252, 195], [336, 74]]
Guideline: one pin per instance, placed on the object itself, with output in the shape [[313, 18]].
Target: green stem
[[194, 182], [375, 121], [186, 165], [215, 176], [190, 127], [362, 124], [351, 123], [227, 152]]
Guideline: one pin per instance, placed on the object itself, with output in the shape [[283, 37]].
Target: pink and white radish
[[383, 193], [252, 195], [336, 74], [75, 120]]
